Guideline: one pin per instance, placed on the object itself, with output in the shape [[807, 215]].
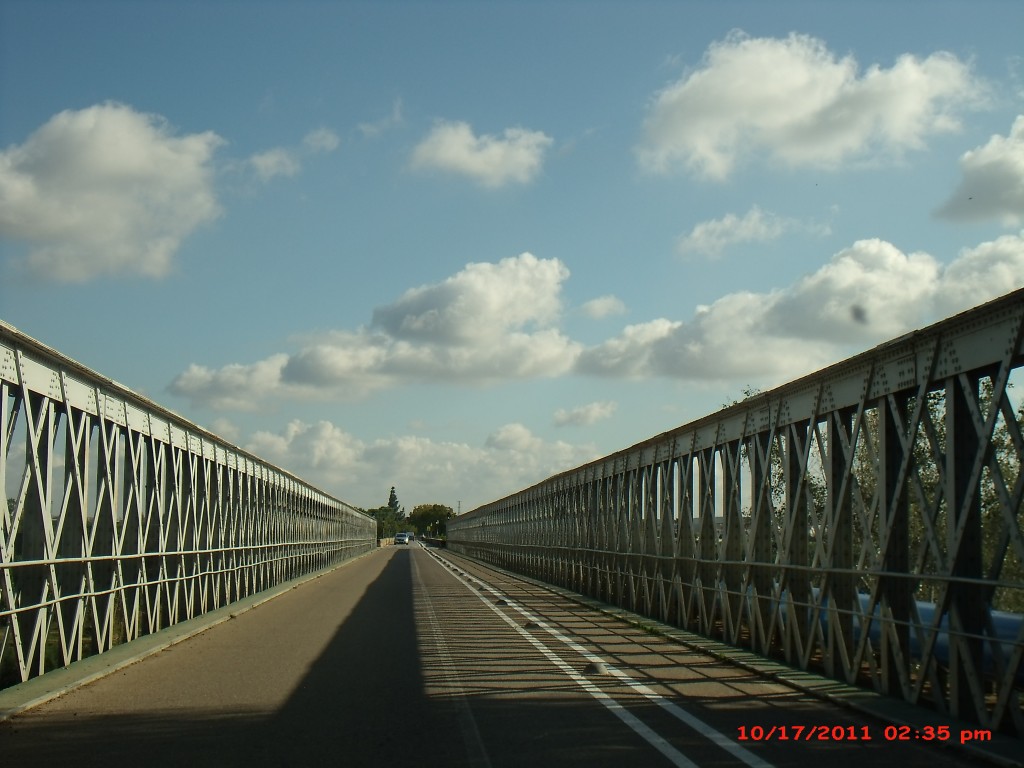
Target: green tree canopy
[[431, 519], [393, 504], [388, 524]]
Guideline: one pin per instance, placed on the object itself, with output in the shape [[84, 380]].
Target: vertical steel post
[[896, 590], [966, 599]]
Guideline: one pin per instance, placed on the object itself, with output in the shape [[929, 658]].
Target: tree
[[387, 524], [398, 511], [390, 518], [431, 519]]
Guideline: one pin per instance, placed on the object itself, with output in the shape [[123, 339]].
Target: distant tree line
[[425, 520]]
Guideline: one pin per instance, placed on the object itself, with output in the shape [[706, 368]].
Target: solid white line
[[674, 756], [723, 741]]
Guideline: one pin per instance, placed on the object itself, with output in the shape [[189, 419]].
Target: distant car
[[401, 538]]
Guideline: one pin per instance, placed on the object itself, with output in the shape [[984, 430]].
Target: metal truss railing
[[122, 518], [864, 521]]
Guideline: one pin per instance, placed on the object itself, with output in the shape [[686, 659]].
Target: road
[[410, 656]]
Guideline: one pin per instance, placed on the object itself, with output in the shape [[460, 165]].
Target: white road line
[[674, 756], [709, 732], [476, 753]]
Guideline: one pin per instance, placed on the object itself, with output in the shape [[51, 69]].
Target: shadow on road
[[361, 703]]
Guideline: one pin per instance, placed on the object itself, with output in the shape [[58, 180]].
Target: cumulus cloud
[[982, 273], [814, 110], [992, 186], [483, 301], [320, 449], [498, 322], [233, 387], [629, 354], [361, 472], [603, 306], [710, 238], [488, 322], [287, 161], [493, 161], [584, 415], [106, 190], [866, 294], [869, 292]]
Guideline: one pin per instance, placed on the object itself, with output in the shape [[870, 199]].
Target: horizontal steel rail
[[122, 518], [863, 521]]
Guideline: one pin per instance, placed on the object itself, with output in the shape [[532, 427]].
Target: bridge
[[840, 559]]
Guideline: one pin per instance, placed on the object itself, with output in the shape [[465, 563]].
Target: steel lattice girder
[[864, 520], [123, 518]]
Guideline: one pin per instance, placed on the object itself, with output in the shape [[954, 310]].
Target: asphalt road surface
[[413, 657]]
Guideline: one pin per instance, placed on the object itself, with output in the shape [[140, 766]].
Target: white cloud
[[233, 387], [226, 430], [497, 322], [376, 128], [322, 450], [866, 294], [603, 306], [106, 191], [275, 162], [993, 181], [982, 273], [712, 237], [515, 157], [321, 140], [489, 322], [423, 470], [628, 355], [812, 110], [584, 415], [287, 161], [482, 302]]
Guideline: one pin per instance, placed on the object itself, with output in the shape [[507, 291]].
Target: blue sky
[[457, 247]]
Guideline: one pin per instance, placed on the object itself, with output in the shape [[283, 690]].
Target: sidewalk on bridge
[[57, 682]]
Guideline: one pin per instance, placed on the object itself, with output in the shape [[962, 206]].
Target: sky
[[458, 247]]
